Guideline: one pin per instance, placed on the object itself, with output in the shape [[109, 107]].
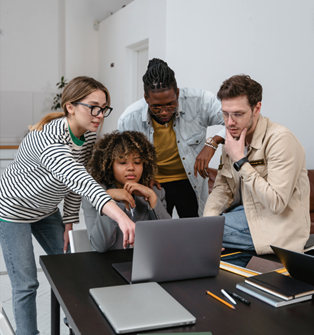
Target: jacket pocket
[[226, 172], [196, 139]]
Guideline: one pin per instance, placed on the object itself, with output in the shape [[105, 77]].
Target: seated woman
[[123, 163]]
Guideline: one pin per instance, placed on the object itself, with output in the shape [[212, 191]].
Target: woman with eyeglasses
[[50, 167]]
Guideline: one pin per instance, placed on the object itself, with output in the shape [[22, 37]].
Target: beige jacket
[[275, 189]]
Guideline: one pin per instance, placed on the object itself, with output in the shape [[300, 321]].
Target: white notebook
[[138, 307]]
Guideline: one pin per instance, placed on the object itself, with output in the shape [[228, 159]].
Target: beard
[[249, 126]]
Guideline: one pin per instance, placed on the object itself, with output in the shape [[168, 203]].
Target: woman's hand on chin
[[142, 191]]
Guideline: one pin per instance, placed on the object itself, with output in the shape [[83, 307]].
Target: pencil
[[221, 300]]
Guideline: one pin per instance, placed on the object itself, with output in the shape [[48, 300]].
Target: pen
[[228, 296], [237, 296], [221, 300]]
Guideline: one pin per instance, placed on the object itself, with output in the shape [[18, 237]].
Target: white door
[[142, 62]]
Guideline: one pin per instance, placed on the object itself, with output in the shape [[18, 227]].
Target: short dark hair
[[159, 76], [241, 85], [116, 145]]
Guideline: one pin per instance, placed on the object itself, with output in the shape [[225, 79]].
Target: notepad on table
[[284, 287], [269, 298]]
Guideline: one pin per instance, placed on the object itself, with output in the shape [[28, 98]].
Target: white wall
[[272, 41], [29, 63], [27, 47], [141, 20], [204, 41], [41, 41], [207, 41], [81, 40]]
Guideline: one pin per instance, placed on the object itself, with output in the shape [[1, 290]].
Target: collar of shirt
[[259, 133]]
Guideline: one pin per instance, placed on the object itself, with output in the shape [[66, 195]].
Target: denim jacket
[[197, 110]]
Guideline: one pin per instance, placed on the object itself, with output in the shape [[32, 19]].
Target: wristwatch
[[211, 143], [237, 165]]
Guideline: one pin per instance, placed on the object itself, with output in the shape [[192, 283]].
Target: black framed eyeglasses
[[96, 110], [156, 110]]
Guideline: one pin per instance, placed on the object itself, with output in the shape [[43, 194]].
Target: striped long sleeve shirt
[[48, 168]]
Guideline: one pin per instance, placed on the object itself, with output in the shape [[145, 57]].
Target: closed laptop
[[139, 307]]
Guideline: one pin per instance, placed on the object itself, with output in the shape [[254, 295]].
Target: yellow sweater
[[170, 167]]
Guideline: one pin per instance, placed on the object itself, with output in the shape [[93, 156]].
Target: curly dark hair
[[116, 145]]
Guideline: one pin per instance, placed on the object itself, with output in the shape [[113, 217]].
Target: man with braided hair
[[176, 121]]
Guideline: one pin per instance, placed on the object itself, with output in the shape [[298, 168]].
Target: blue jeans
[[17, 247], [237, 233]]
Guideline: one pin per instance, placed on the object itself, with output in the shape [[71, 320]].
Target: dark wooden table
[[72, 275]]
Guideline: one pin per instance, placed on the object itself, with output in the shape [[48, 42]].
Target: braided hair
[[158, 76], [116, 145]]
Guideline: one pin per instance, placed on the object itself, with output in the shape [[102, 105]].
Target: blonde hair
[[76, 90], [46, 119]]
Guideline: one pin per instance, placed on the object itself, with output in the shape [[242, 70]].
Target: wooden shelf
[[7, 147]]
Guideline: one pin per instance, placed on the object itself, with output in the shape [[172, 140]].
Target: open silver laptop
[[133, 308], [175, 249]]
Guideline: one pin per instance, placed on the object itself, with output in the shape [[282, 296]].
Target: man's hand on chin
[[235, 148]]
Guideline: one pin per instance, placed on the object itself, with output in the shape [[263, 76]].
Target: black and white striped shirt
[[48, 168]]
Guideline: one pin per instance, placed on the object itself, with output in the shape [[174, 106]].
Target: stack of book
[[277, 289]]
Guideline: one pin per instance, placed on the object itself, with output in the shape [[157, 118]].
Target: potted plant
[[57, 99]]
